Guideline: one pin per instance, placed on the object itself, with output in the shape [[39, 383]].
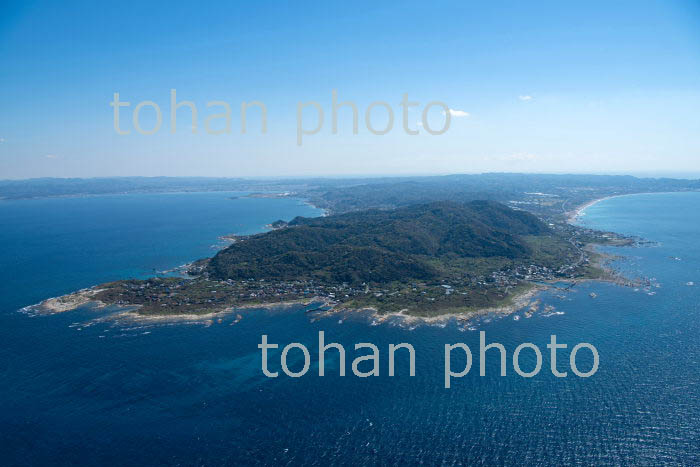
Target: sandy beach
[[579, 211]]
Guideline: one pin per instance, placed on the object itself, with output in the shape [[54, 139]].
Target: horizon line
[[640, 175]]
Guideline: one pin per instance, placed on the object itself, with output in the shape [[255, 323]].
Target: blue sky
[[604, 87]]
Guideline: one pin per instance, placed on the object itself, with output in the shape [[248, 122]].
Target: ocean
[[80, 388]]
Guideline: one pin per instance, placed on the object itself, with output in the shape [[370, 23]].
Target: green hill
[[381, 246]]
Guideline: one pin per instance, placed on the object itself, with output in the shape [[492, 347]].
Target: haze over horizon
[[546, 88], [655, 174]]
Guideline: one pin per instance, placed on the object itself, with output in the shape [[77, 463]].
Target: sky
[[550, 86]]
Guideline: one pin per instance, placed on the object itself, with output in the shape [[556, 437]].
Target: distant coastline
[[579, 211]]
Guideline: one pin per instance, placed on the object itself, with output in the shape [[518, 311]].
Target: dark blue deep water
[[80, 388]]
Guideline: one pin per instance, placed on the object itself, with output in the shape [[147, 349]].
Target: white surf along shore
[[580, 211]]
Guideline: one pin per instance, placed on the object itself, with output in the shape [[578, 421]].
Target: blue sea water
[[80, 389]]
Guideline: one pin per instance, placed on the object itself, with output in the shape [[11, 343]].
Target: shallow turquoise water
[[114, 393]]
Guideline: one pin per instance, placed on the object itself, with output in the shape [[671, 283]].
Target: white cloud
[[457, 113], [525, 98], [419, 123], [2, 140], [51, 156]]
